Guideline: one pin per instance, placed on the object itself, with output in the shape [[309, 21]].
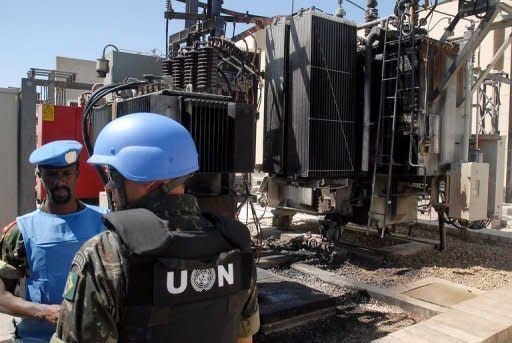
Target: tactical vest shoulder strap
[[234, 231], [239, 237], [150, 232]]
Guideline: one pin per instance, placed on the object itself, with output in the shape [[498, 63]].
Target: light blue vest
[[51, 242]]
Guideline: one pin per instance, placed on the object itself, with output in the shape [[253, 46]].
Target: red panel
[[63, 122]]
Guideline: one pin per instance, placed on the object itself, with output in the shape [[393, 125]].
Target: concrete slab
[[476, 308], [462, 324], [501, 293], [440, 294], [489, 301], [483, 318], [274, 260], [451, 331], [419, 334], [284, 304]]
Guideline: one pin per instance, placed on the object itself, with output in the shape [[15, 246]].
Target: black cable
[[356, 5], [264, 211], [95, 97], [228, 83], [432, 8], [481, 16]]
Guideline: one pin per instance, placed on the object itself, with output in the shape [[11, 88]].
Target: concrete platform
[[483, 318], [440, 293]]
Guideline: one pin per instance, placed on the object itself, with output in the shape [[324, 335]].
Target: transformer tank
[[365, 129]]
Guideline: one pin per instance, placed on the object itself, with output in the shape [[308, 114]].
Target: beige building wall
[[9, 152], [85, 73], [256, 43]]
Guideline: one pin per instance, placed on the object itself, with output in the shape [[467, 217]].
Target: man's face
[[114, 187], [59, 183]]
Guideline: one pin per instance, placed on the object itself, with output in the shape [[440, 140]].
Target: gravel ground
[[481, 265], [358, 318], [475, 263]]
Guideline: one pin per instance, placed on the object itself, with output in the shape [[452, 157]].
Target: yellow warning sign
[[48, 112]]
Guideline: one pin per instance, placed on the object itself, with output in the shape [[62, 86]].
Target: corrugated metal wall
[[274, 121], [319, 129]]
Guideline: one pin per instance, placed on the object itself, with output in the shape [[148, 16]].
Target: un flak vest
[[51, 242], [183, 286]]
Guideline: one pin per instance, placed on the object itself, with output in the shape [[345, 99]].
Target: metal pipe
[[442, 230], [440, 209], [372, 37], [434, 133], [477, 121], [468, 99], [411, 130], [375, 22], [508, 187], [454, 38], [105, 48], [467, 109]]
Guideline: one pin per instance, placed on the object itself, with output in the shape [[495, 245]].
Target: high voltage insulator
[[190, 66]]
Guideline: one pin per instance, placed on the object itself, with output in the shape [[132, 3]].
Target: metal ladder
[[386, 126]]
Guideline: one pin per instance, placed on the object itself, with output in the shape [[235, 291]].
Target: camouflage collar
[[169, 206]]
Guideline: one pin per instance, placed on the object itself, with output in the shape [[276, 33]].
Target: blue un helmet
[[146, 147]]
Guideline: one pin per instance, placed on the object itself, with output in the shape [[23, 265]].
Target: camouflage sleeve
[[93, 292], [13, 258], [250, 322]]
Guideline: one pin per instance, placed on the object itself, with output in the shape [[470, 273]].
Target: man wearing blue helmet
[[38, 247], [162, 271]]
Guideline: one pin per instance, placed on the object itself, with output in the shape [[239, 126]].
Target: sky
[[34, 32]]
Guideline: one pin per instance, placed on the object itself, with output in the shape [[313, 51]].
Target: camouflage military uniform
[[93, 296], [13, 258]]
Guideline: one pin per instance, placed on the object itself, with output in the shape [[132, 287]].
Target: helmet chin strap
[[117, 182]]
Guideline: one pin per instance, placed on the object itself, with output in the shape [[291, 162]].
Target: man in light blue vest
[[36, 250]]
